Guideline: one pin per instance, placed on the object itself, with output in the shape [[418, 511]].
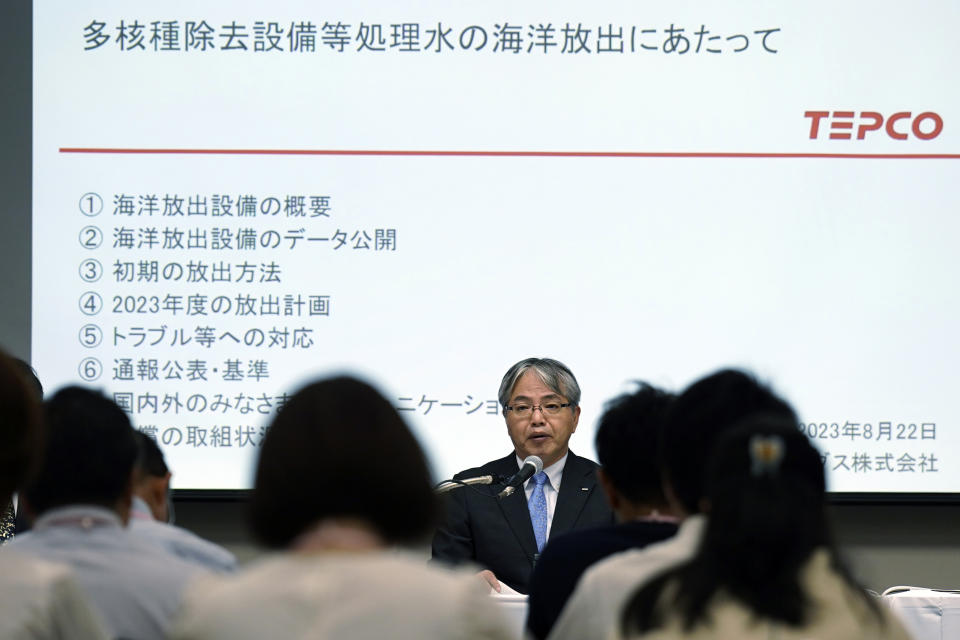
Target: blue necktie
[[538, 511]]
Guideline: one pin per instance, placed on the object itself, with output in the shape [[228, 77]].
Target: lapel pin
[[584, 489]]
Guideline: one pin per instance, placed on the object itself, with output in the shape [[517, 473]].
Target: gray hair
[[553, 373]]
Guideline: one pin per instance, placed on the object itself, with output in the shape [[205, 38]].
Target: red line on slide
[[509, 154]]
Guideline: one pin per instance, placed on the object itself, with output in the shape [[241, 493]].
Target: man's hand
[[489, 579]]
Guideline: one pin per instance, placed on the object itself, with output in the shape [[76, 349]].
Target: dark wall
[[15, 175]]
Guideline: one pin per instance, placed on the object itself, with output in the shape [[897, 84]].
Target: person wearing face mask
[[150, 516]]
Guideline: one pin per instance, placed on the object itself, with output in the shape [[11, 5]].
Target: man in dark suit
[[540, 399]]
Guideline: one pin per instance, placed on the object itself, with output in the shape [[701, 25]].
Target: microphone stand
[[506, 492], [450, 485]]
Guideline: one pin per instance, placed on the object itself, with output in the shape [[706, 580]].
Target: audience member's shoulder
[[841, 607], [627, 569], [655, 556], [193, 548], [617, 564], [28, 570], [299, 575], [153, 557], [186, 545], [44, 598], [294, 592], [439, 584], [441, 580]]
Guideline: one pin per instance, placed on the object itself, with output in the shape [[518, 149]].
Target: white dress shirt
[[182, 543], [42, 600], [133, 584]]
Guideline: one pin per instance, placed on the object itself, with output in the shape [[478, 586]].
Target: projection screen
[[233, 199]]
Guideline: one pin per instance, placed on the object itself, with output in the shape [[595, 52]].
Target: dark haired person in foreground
[[541, 407], [9, 522], [767, 566], [40, 599], [696, 420], [14, 520], [150, 514], [340, 483], [627, 443], [80, 500]]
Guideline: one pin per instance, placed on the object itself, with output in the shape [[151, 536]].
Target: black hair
[[699, 416], [90, 452], [21, 430], [767, 516], [150, 462], [30, 375], [627, 443], [339, 449]]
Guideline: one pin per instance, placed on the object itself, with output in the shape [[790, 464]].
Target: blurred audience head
[[30, 375], [628, 443], [766, 506], [766, 502], [152, 479], [339, 450], [21, 432], [699, 417], [89, 456]]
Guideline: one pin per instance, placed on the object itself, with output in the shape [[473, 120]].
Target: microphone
[[531, 465]]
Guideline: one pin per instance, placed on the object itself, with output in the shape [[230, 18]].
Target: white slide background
[[833, 278]]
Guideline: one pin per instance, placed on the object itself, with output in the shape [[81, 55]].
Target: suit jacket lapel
[[577, 475], [515, 509]]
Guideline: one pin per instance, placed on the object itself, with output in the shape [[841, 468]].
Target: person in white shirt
[[150, 514], [40, 599], [81, 500], [341, 487]]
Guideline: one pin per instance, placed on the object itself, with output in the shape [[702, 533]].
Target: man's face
[[540, 434]]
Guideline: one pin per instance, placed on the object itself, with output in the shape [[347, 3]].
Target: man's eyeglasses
[[526, 410]]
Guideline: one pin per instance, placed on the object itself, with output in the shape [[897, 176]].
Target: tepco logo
[[925, 126]]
